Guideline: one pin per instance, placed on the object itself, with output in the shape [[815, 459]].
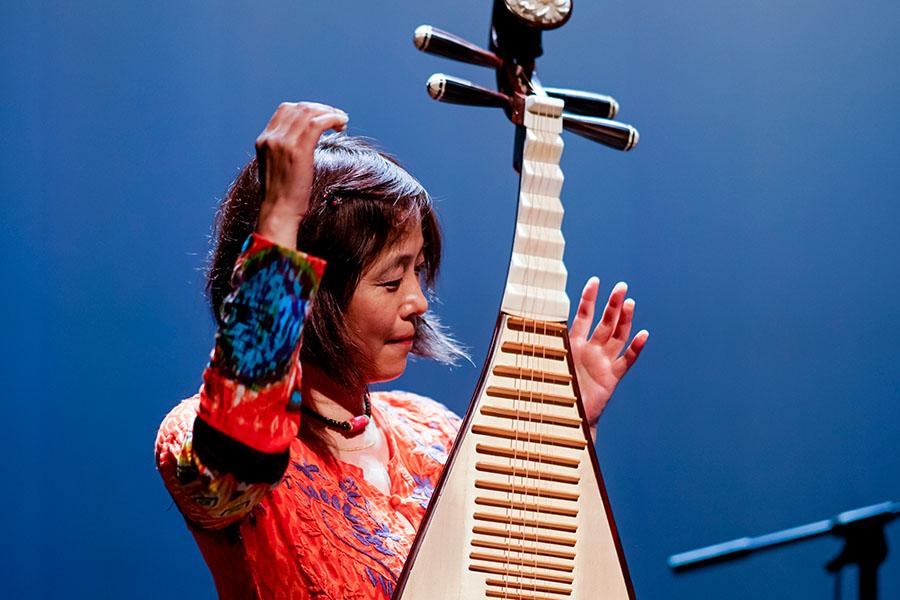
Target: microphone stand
[[862, 530]]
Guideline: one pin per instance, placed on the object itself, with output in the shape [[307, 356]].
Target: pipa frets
[[510, 596], [529, 562], [515, 471], [515, 505], [526, 490], [513, 534], [533, 417], [505, 518], [533, 375], [529, 395], [537, 457], [534, 350], [520, 435], [527, 586], [533, 326], [522, 573], [523, 549]]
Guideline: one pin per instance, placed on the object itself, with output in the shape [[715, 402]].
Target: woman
[[327, 506]]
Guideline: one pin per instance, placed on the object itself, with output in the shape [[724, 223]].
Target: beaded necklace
[[353, 425]]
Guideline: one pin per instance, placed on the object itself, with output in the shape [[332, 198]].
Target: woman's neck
[[324, 396]]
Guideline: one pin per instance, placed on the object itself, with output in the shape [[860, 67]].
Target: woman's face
[[385, 304]]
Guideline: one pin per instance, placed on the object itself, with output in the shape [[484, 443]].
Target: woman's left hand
[[599, 361]]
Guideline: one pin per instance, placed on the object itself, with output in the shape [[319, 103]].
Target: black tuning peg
[[609, 133], [459, 91], [436, 41], [454, 90], [585, 103]]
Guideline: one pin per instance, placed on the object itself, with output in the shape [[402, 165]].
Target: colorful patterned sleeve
[[219, 456]]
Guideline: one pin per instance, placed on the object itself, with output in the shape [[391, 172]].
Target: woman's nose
[[416, 303]]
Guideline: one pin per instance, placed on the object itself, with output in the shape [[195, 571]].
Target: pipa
[[521, 511]]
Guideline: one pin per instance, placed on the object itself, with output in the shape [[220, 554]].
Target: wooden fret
[[530, 506], [532, 326], [525, 436], [495, 518], [529, 473], [529, 587], [528, 562], [519, 415], [526, 536], [534, 350], [525, 490], [508, 547], [510, 596], [532, 396], [538, 457], [532, 375], [523, 574]]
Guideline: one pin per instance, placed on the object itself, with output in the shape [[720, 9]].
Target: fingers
[[335, 120], [584, 317], [624, 362], [611, 313], [290, 111], [308, 128], [296, 123], [623, 327]]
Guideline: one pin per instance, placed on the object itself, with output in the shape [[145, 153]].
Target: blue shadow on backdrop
[[757, 224]]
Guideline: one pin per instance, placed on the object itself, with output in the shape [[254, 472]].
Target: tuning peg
[[459, 91], [436, 41], [586, 103], [609, 133]]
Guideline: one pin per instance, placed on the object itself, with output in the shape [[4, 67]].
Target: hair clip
[[330, 200]]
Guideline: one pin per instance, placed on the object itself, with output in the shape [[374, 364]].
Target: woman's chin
[[389, 373]]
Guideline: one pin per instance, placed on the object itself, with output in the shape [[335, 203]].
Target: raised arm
[[220, 456]]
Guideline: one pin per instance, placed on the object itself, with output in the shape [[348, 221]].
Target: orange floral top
[[273, 516]]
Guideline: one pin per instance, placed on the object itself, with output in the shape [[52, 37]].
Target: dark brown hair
[[361, 202]]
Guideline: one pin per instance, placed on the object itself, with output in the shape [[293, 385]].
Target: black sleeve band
[[224, 454]]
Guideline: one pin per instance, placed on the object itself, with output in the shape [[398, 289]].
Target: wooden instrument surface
[[521, 512]]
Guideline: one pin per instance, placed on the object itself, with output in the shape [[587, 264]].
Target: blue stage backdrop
[[757, 224]]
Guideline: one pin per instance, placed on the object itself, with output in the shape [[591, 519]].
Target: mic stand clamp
[[865, 546]]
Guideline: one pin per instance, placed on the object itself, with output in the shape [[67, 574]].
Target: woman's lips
[[402, 341]]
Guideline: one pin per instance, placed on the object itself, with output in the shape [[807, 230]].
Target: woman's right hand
[[284, 151]]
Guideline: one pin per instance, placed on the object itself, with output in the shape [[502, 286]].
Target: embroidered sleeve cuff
[[254, 365]]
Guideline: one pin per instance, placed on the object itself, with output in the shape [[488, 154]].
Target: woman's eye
[[393, 284]]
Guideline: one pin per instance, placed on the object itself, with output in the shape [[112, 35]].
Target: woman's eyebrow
[[401, 260]]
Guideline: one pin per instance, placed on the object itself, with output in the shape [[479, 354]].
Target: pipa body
[[520, 511]]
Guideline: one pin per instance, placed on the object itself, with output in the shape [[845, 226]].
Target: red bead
[[359, 423]]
